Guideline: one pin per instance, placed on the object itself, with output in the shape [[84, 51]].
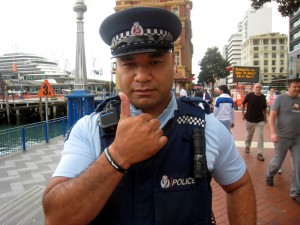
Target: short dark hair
[[294, 80], [199, 94], [225, 89]]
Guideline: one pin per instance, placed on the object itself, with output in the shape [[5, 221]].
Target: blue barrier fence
[[22, 137]]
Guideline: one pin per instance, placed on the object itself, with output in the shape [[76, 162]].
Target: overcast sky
[[48, 28]]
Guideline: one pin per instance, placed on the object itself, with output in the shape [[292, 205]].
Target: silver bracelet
[[113, 163]]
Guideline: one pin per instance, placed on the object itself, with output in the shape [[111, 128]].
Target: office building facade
[[269, 53], [294, 47]]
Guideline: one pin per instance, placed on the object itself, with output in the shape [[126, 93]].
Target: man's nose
[[142, 74]]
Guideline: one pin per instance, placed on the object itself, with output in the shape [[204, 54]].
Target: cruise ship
[[30, 70]]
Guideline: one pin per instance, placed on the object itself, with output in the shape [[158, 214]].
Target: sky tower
[[80, 70], [80, 101]]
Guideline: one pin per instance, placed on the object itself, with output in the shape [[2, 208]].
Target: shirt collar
[[166, 115]]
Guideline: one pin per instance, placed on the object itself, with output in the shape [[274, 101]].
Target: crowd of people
[[147, 157], [284, 123]]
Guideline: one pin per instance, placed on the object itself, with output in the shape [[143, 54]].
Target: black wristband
[[113, 163]]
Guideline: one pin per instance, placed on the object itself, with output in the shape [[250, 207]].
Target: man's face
[[257, 89], [294, 89], [147, 80]]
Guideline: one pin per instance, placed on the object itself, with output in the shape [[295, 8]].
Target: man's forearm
[[241, 205], [272, 119], [79, 200]]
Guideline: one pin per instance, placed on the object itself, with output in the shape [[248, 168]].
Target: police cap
[[140, 29]]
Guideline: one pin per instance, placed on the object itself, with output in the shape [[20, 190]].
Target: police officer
[[154, 168]]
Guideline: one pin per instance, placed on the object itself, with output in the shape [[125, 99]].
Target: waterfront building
[[30, 70], [269, 53], [294, 48]]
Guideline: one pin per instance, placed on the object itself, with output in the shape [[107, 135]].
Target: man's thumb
[[125, 106]]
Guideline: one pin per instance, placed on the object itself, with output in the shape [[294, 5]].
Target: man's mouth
[[144, 91]]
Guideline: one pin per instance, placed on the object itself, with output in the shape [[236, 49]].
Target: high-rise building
[[183, 46], [256, 22], [269, 53], [294, 48], [234, 49]]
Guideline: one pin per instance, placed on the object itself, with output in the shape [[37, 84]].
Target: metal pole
[[47, 124]]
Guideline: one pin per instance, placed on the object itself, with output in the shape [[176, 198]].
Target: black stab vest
[[162, 190]]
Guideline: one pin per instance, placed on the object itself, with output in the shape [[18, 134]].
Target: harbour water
[[19, 137]]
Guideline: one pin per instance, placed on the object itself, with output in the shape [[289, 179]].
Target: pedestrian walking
[[183, 92], [224, 107], [145, 156], [207, 96], [255, 117], [284, 122]]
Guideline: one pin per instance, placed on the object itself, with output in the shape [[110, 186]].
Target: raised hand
[[137, 138]]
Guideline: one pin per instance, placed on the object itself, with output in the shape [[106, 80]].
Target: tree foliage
[[212, 66], [285, 7]]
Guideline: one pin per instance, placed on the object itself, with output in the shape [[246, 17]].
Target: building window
[[265, 41], [281, 69], [265, 55], [296, 23], [265, 62], [273, 55], [176, 58], [255, 42], [281, 41], [281, 55], [273, 48], [281, 62], [265, 69], [273, 41], [273, 69], [256, 63], [273, 62], [255, 48], [175, 11], [255, 55]]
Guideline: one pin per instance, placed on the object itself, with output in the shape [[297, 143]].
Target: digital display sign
[[246, 74]]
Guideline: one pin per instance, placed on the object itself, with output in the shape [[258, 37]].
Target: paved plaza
[[24, 175]]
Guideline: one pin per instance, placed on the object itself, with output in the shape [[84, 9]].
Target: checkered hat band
[[191, 120], [148, 31]]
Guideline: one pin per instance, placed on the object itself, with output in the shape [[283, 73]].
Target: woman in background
[[270, 99]]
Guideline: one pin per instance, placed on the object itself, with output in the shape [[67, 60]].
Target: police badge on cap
[[140, 29]]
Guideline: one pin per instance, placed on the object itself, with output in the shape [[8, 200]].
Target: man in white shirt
[[183, 92]]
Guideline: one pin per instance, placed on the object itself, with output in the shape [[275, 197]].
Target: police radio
[[109, 118], [199, 154]]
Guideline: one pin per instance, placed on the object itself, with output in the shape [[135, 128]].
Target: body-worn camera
[[199, 154], [108, 120]]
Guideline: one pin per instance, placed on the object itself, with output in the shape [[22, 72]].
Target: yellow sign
[[46, 90], [245, 74]]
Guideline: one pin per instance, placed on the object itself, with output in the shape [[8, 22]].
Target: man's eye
[[128, 64], [155, 62]]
